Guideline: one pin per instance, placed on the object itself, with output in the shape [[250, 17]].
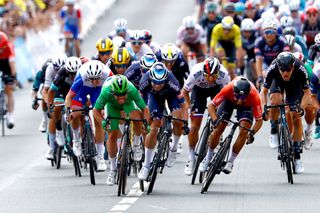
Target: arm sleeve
[[102, 99], [256, 106], [136, 97], [237, 37], [37, 81], [214, 36], [221, 96], [77, 84]]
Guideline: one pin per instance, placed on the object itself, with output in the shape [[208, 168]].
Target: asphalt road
[[28, 183]]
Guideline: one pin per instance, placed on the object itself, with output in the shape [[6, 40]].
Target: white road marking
[[130, 198]]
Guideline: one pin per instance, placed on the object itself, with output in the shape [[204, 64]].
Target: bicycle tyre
[[160, 158], [288, 154], [200, 152], [76, 166], [89, 143], [2, 111], [123, 166], [58, 156]]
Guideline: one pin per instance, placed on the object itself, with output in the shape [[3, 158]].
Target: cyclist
[[211, 19], [289, 75], [311, 26], [242, 95], [191, 37], [39, 79], [315, 86], [119, 95], [298, 16], [267, 48], [286, 21], [252, 11], [8, 67], [136, 70], [136, 46], [120, 29], [159, 85], [120, 60], [248, 39], [229, 9], [89, 81], [71, 25], [314, 51], [298, 38], [293, 46], [172, 57], [104, 47], [148, 40], [205, 80], [226, 41], [56, 95]]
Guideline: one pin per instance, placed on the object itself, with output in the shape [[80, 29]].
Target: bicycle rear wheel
[[288, 155], [161, 158], [200, 153]]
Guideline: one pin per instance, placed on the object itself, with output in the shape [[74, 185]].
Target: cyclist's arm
[[51, 94], [69, 98], [80, 21], [98, 115], [306, 98], [214, 40], [186, 97], [264, 95], [257, 125], [212, 109], [259, 62]]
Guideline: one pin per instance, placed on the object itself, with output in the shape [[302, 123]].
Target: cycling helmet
[[119, 85], [227, 22], [250, 5], [289, 31], [299, 56], [94, 69], [169, 52], [147, 36], [294, 5], [120, 56], [147, 60], [229, 7], [242, 87], [269, 24], [73, 64], [84, 59], [69, 2], [59, 60], [104, 45], [290, 39], [189, 22], [158, 73], [247, 24], [211, 7], [286, 21], [317, 39], [118, 41], [136, 35], [312, 10], [285, 61], [3, 40], [284, 10], [267, 15], [277, 3], [120, 24], [211, 66], [239, 7]]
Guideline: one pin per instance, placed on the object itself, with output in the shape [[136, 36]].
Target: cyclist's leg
[[199, 49], [185, 50], [8, 89], [76, 41]]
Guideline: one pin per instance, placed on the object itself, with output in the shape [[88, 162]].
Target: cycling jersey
[[180, 68], [7, 52], [314, 54], [234, 35], [134, 73], [113, 34], [269, 53], [137, 56], [315, 81], [51, 72], [82, 85], [310, 32], [198, 35], [196, 78], [40, 76], [71, 21], [303, 45], [248, 45], [208, 25], [253, 100], [62, 83]]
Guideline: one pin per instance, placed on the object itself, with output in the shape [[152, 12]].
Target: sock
[[52, 139], [76, 134], [233, 157], [100, 149], [209, 154], [297, 150], [118, 143], [121, 127], [148, 157], [175, 142], [58, 125], [274, 127], [113, 165], [136, 140], [44, 116], [192, 156], [309, 127]]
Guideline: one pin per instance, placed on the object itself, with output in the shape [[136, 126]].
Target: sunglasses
[[157, 82], [93, 79], [105, 53], [247, 31], [214, 76], [312, 14], [226, 29], [269, 32], [239, 97], [121, 31], [120, 94], [136, 43], [168, 62], [190, 28], [123, 66], [285, 69]]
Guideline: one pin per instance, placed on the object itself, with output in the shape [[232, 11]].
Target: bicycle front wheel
[[123, 165], [288, 155], [90, 153]]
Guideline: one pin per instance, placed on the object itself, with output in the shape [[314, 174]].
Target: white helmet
[[247, 24], [73, 64], [189, 22], [286, 21], [227, 22], [269, 23], [290, 39], [294, 5], [69, 2], [118, 41], [120, 24], [94, 69], [317, 39], [267, 15], [59, 60], [284, 10], [169, 52], [299, 56], [136, 35], [277, 3]]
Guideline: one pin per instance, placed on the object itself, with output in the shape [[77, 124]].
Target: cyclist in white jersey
[[120, 29], [136, 46]]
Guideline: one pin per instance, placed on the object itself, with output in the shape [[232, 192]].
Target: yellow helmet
[[104, 45], [120, 56]]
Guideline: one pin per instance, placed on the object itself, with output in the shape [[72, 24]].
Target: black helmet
[[285, 61], [242, 87], [289, 31]]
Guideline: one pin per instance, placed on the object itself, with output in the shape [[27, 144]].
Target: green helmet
[[119, 85]]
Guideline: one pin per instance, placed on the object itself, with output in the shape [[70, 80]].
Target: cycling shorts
[[196, 48], [229, 49], [244, 113], [71, 29], [8, 79], [81, 97]]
